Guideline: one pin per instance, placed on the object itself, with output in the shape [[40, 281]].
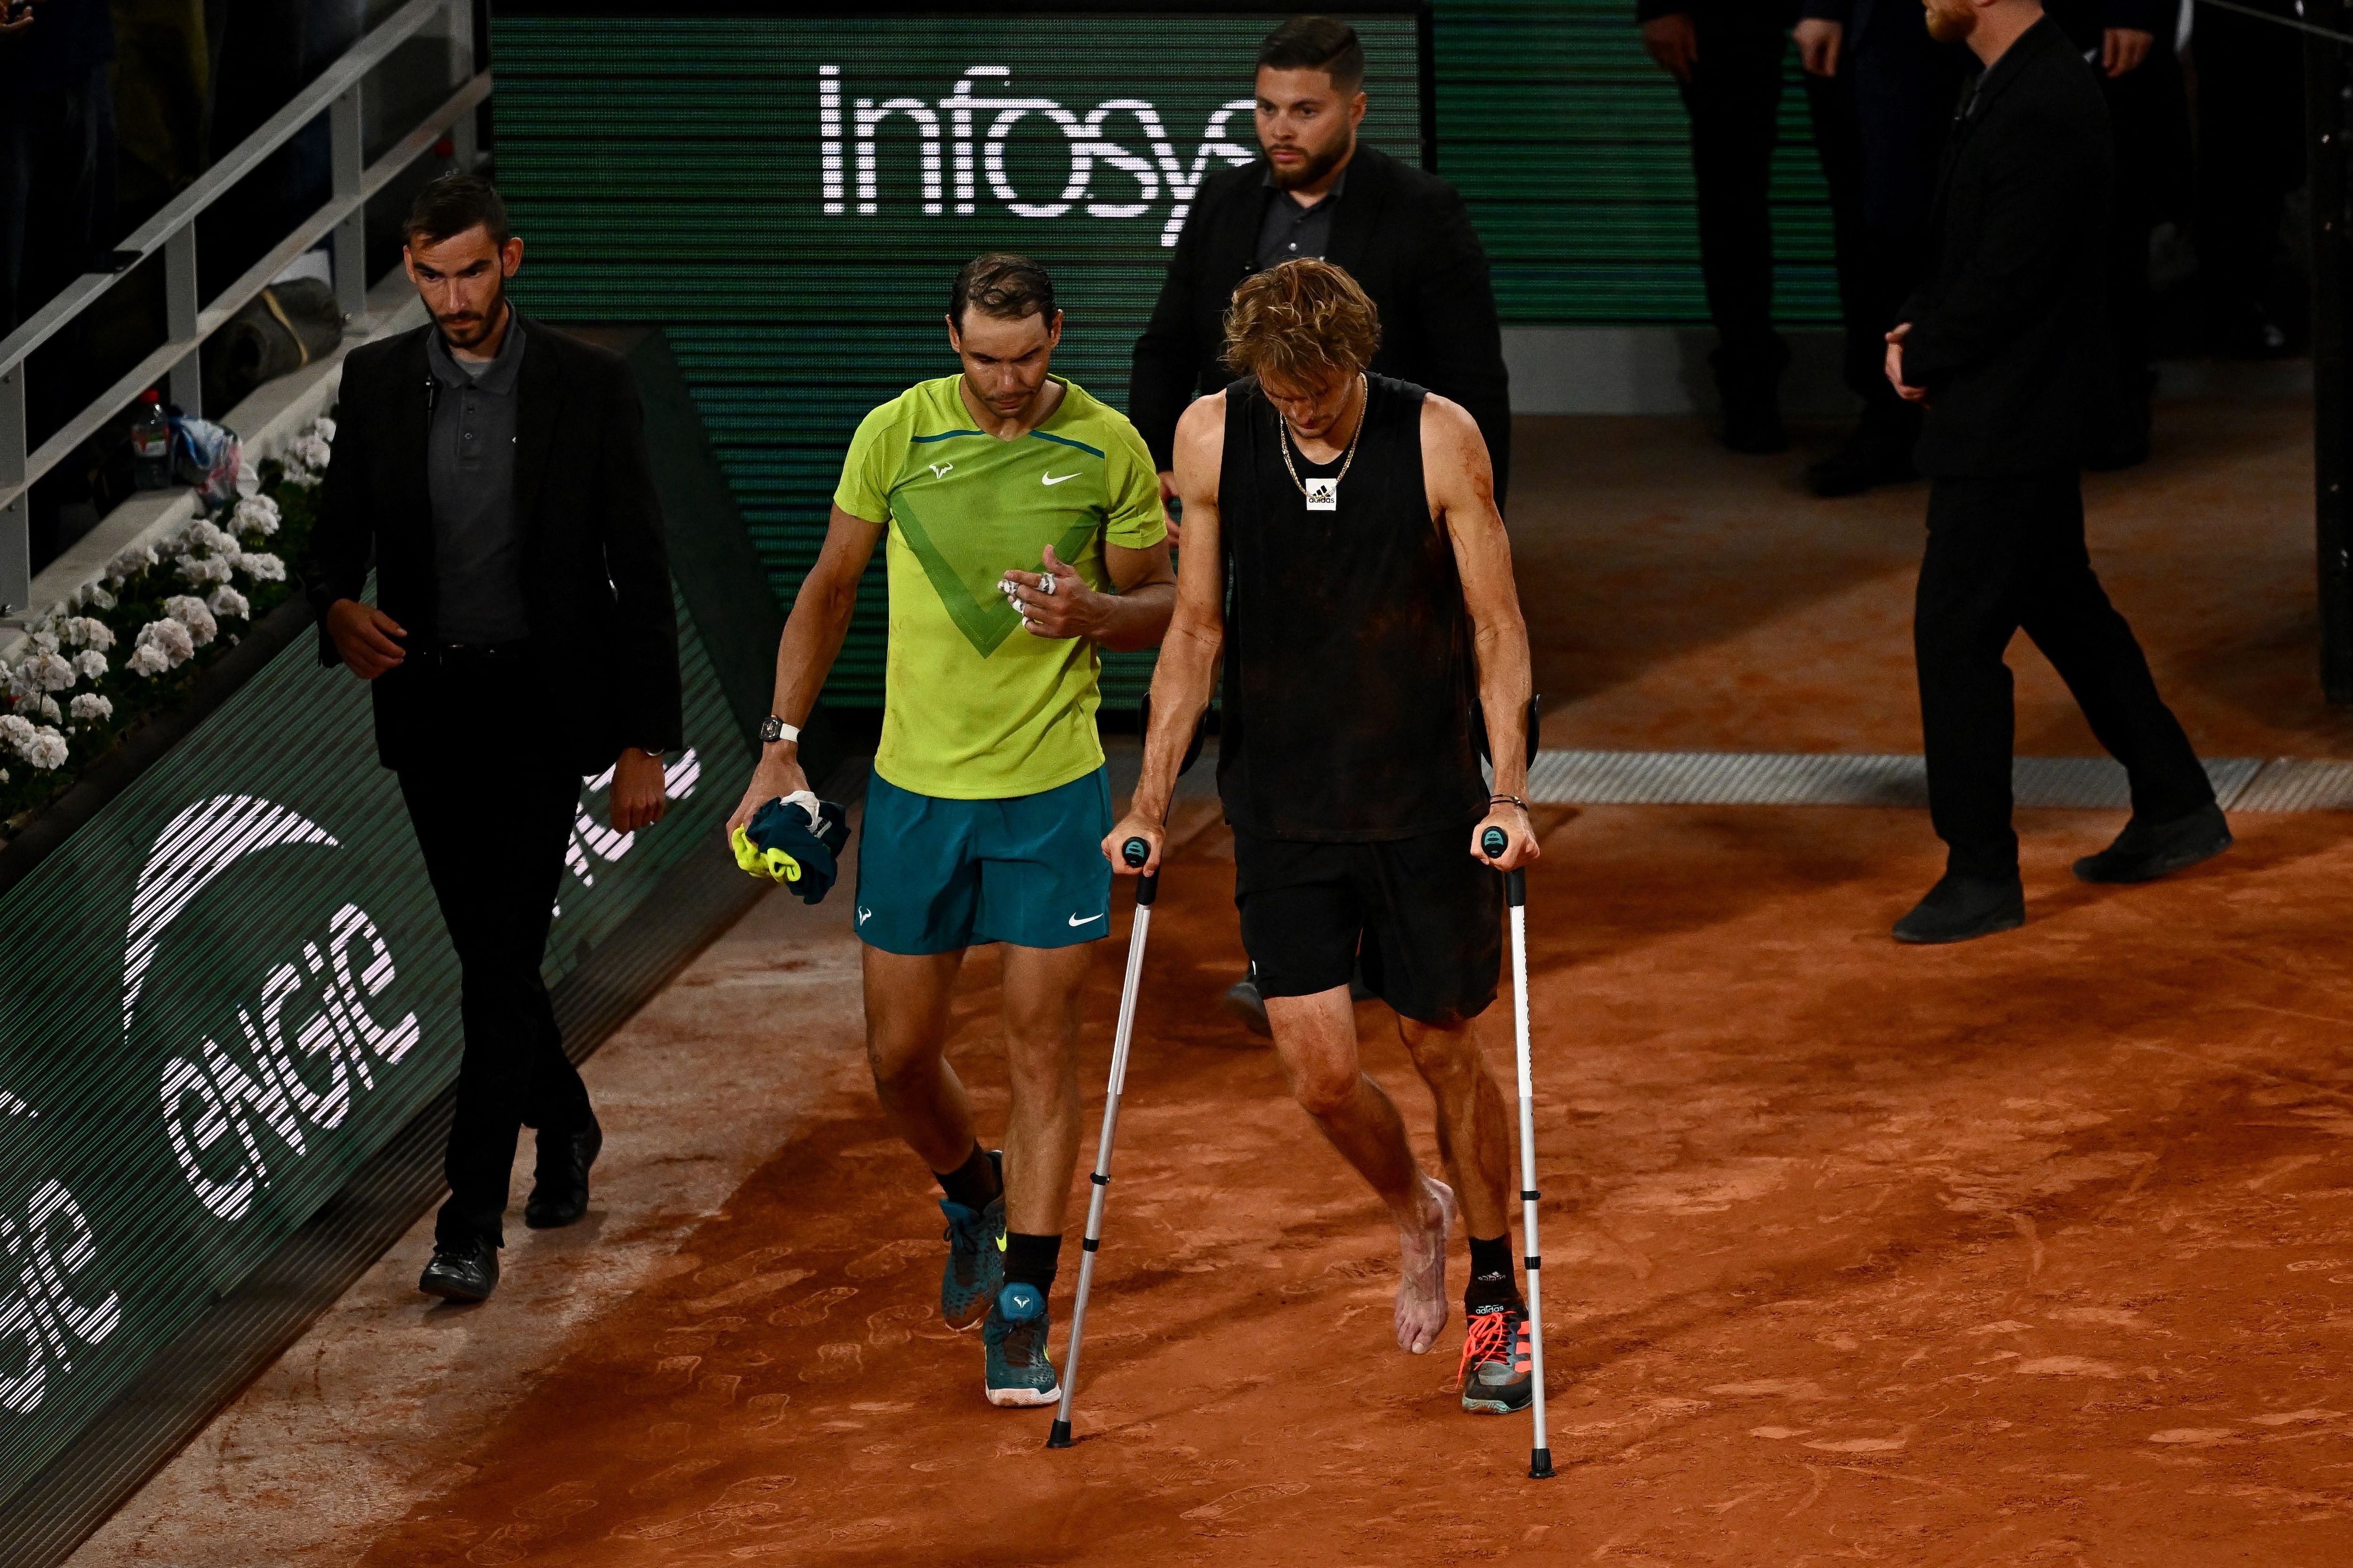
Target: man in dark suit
[[1725, 56], [494, 471], [2005, 343], [1881, 93], [1401, 234]]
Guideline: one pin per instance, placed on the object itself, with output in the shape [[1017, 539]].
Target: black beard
[[483, 329], [1311, 171]]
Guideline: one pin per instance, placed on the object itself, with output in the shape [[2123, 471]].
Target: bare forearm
[[1180, 690], [812, 640], [1505, 679], [1138, 617]]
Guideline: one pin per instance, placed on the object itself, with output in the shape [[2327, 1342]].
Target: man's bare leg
[[1045, 1005], [1316, 1038], [906, 1031], [1474, 1136], [906, 1037]]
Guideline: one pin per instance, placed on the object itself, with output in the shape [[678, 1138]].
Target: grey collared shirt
[[1289, 231], [470, 473]]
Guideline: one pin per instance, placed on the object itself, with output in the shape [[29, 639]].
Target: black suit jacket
[[2009, 333], [1402, 234], [604, 626]]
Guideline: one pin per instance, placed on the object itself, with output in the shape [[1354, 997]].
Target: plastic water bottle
[[151, 443]]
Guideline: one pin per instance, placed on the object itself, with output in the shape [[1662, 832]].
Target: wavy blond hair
[[1305, 321]]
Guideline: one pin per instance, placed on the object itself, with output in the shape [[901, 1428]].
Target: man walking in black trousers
[[1725, 55], [2006, 345], [494, 471], [1881, 93]]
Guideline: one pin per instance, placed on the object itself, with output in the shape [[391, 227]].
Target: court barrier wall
[[228, 1016]]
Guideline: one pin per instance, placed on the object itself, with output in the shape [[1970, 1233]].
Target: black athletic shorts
[[1425, 917]]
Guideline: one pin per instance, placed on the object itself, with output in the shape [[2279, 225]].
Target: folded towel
[[794, 839]]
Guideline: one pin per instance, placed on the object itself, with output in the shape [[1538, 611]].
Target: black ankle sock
[[973, 1183], [1032, 1260], [1492, 1278]]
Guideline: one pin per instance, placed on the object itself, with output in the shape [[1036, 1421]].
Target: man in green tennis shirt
[[1026, 532]]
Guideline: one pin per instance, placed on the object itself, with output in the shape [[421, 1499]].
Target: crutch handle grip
[[1494, 841], [1136, 852], [1515, 889]]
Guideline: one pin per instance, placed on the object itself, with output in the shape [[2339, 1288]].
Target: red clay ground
[[1681, 598], [2038, 1250]]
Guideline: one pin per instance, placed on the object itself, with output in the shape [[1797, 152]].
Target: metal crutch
[[1515, 892], [1136, 852]]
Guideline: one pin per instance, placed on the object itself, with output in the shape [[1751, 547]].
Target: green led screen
[[788, 198], [224, 993], [1572, 149]]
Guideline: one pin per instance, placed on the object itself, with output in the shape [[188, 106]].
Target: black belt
[[470, 656]]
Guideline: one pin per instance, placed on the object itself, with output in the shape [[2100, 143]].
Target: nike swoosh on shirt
[[1055, 479], [1088, 921]]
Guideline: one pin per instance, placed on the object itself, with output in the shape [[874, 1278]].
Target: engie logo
[[45, 1316], [298, 1044], [962, 141]]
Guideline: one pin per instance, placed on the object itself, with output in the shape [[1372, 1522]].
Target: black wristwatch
[[773, 728]]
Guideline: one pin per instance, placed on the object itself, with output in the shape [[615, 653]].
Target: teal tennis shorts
[[936, 875]]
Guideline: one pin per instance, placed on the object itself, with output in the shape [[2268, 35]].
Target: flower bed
[[130, 644]]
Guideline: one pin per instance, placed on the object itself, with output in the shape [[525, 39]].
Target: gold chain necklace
[[1328, 500]]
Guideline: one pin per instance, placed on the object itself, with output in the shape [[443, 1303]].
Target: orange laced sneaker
[[1497, 1374]]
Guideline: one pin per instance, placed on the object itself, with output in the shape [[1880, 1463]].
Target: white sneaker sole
[[1024, 1399]]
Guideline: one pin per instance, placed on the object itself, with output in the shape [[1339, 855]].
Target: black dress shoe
[[559, 1193], [1958, 908], [461, 1270], [2144, 852]]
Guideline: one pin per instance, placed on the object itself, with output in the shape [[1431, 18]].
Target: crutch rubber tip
[[1059, 1437], [1539, 1463]]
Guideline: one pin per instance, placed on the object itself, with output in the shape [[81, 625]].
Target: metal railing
[[189, 320]]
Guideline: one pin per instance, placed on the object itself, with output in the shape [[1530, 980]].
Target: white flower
[[147, 659], [190, 613], [227, 603], [90, 707], [45, 750], [204, 568], [89, 631], [102, 599], [48, 671], [202, 534], [43, 642], [323, 428], [130, 563], [46, 707], [255, 514], [91, 663], [15, 732], [170, 641], [261, 566], [306, 460]]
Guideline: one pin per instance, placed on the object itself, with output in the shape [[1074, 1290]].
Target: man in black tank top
[[1352, 518]]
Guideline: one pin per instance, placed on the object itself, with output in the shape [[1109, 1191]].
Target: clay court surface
[[2036, 1250]]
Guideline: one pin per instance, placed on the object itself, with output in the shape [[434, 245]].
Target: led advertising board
[[224, 993], [787, 191]]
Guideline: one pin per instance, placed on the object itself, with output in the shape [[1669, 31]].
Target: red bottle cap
[[151, 395]]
